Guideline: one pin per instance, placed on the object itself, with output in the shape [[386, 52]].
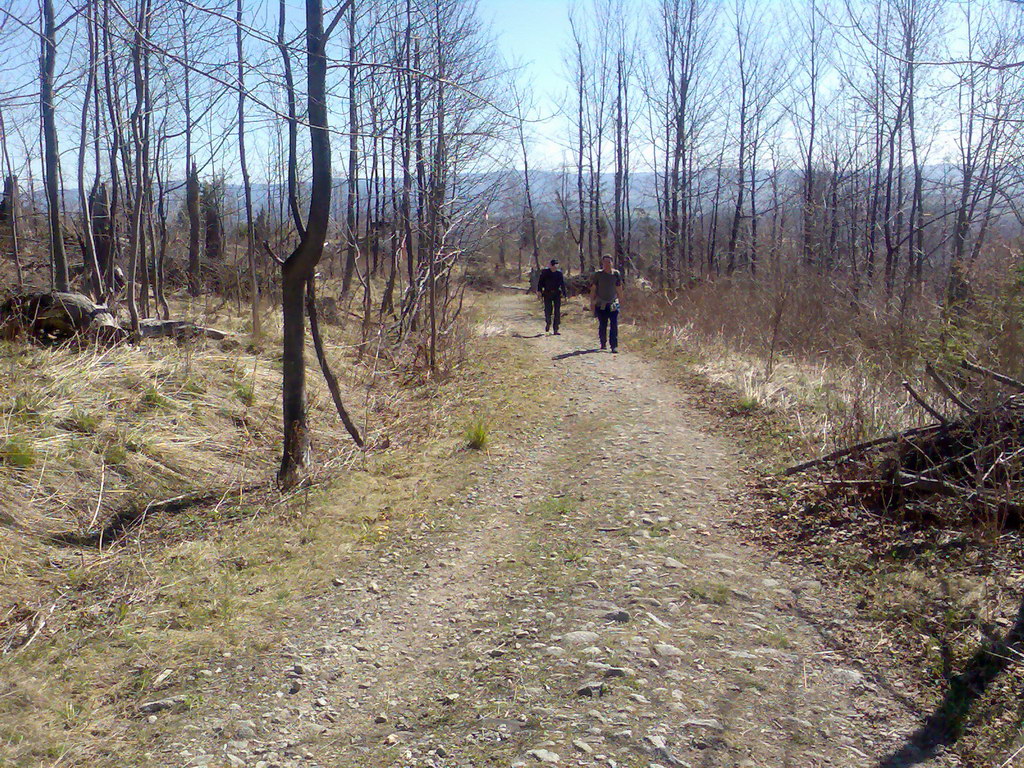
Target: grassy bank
[[91, 632]]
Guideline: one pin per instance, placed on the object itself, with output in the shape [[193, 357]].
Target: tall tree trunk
[[11, 200], [91, 262], [352, 198], [580, 94], [250, 239], [300, 266], [194, 226], [293, 125], [140, 136], [113, 204], [192, 171], [51, 153]]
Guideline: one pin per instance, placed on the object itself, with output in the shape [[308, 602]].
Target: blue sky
[[535, 33]]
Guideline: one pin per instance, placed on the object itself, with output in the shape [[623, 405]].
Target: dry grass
[[85, 633], [795, 343]]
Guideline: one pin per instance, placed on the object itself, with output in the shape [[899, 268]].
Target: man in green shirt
[[604, 303]]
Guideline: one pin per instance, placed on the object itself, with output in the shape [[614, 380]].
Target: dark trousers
[[552, 312], [608, 326]]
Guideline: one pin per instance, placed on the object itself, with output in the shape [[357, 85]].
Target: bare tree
[[299, 267], [51, 152], [250, 240]]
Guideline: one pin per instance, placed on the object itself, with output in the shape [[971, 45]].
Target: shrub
[[18, 452], [81, 421], [477, 434], [245, 393], [151, 398]]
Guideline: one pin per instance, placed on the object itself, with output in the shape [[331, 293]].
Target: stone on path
[[668, 651], [544, 755], [580, 637]]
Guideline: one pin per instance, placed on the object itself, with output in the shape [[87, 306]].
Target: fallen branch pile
[[974, 459]]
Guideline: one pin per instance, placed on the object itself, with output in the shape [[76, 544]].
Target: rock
[[671, 562], [245, 729], [298, 670], [619, 616], [449, 698], [710, 723], [593, 690], [618, 672], [851, 676], [668, 651], [294, 688], [235, 761], [580, 637], [656, 741], [582, 746], [380, 719], [544, 755], [160, 705]]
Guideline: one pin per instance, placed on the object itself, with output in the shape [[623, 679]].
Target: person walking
[[604, 303], [551, 288]]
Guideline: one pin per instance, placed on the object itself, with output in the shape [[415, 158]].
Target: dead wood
[[947, 390], [321, 356], [56, 317], [976, 461], [1002, 378], [934, 413], [178, 329], [859, 447]]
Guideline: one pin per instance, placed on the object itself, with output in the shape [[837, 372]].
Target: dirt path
[[586, 604]]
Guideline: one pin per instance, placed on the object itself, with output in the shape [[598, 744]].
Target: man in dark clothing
[[551, 288], [604, 303]]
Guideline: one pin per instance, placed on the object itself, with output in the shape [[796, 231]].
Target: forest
[[267, 268], [866, 153]]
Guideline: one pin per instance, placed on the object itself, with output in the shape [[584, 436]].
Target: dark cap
[[553, 262]]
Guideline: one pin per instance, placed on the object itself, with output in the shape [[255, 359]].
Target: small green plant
[[26, 408], [151, 398], [194, 386], [747, 404], [114, 451], [81, 421], [18, 452], [478, 434], [715, 593], [555, 506], [244, 393]]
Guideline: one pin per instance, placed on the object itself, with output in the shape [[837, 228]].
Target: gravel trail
[[586, 604]]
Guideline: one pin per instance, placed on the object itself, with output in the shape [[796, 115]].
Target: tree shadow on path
[[945, 725], [575, 353]]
